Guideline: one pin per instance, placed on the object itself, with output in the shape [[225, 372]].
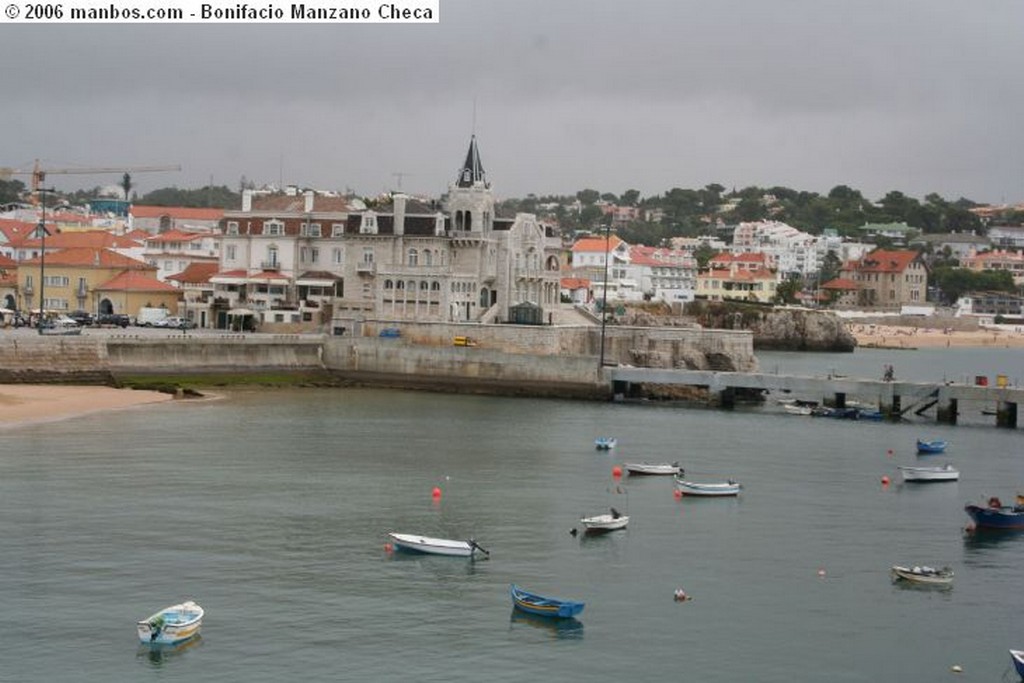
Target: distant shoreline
[[27, 404], [904, 337]]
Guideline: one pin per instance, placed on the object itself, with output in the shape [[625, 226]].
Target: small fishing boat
[[602, 524], [646, 468], [172, 624], [1018, 661], [435, 546], [604, 443], [924, 474], [933, 446], [542, 606], [692, 488], [794, 409], [923, 575], [996, 515]]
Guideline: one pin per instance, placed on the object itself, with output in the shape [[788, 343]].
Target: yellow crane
[[38, 173]]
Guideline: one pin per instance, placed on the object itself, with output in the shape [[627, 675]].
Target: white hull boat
[[793, 409], [924, 575], [652, 468], [944, 473], [435, 546], [172, 624], [692, 488], [600, 524]]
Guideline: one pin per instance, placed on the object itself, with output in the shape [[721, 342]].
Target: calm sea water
[[270, 509]]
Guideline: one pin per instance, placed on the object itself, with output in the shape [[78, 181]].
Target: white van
[[147, 316]]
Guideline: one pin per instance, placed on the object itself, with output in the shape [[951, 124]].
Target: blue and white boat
[[996, 515], [933, 446], [435, 546], [692, 488], [171, 625], [542, 606], [605, 443], [1018, 661]]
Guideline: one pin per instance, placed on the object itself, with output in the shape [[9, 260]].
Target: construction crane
[[38, 174]]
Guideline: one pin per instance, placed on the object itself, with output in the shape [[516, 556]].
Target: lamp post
[[604, 295], [42, 257]]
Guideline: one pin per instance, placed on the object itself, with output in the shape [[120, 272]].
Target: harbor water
[[270, 508]]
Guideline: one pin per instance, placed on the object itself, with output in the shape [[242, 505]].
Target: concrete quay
[[894, 399]]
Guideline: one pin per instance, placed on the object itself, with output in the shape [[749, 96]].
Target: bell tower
[[470, 200]]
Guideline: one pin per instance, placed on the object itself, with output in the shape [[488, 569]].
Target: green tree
[[630, 198], [588, 196], [830, 267], [11, 191], [703, 254], [786, 291], [953, 282]]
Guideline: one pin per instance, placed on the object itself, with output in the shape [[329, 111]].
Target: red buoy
[[889, 452], [436, 493], [616, 471], [885, 480], [387, 548], [678, 494]]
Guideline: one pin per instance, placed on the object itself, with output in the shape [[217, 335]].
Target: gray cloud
[[916, 95]]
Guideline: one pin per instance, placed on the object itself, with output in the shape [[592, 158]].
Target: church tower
[[470, 201]]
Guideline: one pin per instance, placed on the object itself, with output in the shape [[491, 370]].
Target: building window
[[310, 230], [273, 228], [272, 256], [337, 256], [337, 229], [413, 257], [229, 252], [232, 228], [303, 254], [367, 254]]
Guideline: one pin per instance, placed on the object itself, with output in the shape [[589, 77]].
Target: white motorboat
[[924, 575], [600, 524], [172, 624], [435, 546], [653, 468], [923, 474], [692, 488]]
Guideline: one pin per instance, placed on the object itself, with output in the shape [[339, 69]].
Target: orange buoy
[[616, 471], [678, 494], [388, 548], [436, 493]]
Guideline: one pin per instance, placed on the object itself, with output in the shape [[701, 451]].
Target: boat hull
[[1018, 661], [605, 443], [532, 603], [716, 490], [171, 625], [931, 447], [431, 546], [925, 576], [648, 469], [995, 518], [602, 524], [929, 474]]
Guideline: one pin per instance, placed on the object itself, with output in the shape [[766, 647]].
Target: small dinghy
[[435, 546], [925, 474], [923, 575], [930, 447], [543, 606], [172, 624], [605, 443], [692, 488], [646, 468], [602, 524]]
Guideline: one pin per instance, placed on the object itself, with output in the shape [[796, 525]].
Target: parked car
[[83, 318], [174, 322], [113, 319]]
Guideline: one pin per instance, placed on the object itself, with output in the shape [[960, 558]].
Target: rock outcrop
[[788, 329]]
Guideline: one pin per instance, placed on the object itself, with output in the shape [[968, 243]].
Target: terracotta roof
[[138, 234], [86, 257], [86, 239], [195, 273], [596, 244], [173, 236], [177, 212], [887, 261], [840, 283], [657, 256], [269, 276], [241, 272], [7, 262], [136, 281], [16, 232], [575, 282], [747, 257]]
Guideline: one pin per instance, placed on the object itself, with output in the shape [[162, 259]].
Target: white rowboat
[[651, 468], [600, 524], [944, 473], [172, 624], [692, 488], [435, 546], [925, 575]]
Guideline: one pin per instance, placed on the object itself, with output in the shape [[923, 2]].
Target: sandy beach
[[897, 337], [22, 404]]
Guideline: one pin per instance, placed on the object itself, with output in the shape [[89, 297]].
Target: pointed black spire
[[472, 170]]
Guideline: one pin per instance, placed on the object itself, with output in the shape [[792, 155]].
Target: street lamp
[[604, 294], [42, 256]]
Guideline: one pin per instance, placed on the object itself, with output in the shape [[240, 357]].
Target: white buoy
[[957, 669]]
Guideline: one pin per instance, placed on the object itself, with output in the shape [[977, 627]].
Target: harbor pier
[[894, 399]]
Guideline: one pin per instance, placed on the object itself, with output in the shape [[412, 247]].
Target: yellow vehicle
[[463, 341]]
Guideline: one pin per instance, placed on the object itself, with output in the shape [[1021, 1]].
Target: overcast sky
[[913, 95]]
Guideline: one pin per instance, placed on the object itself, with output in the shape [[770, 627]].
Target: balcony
[[366, 268], [270, 265]]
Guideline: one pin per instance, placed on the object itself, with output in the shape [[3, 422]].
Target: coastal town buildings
[[887, 279], [745, 277], [999, 260], [173, 251], [159, 219]]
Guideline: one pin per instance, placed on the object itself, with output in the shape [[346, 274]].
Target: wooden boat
[[542, 606], [933, 446], [924, 474], [692, 488], [646, 468], [435, 546], [172, 624], [602, 524], [923, 575], [996, 515], [1018, 661], [604, 443]]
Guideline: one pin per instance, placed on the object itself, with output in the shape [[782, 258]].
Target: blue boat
[[934, 446], [1018, 661], [605, 443], [542, 606], [996, 515]]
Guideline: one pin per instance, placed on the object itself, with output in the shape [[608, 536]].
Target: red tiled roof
[[297, 204], [195, 273], [596, 244], [136, 281], [177, 212], [173, 236], [7, 262], [575, 283], [86, 239], [90, 258], [747, 257], [887, 261], [840, 283], [16, 232], [232, 273]]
